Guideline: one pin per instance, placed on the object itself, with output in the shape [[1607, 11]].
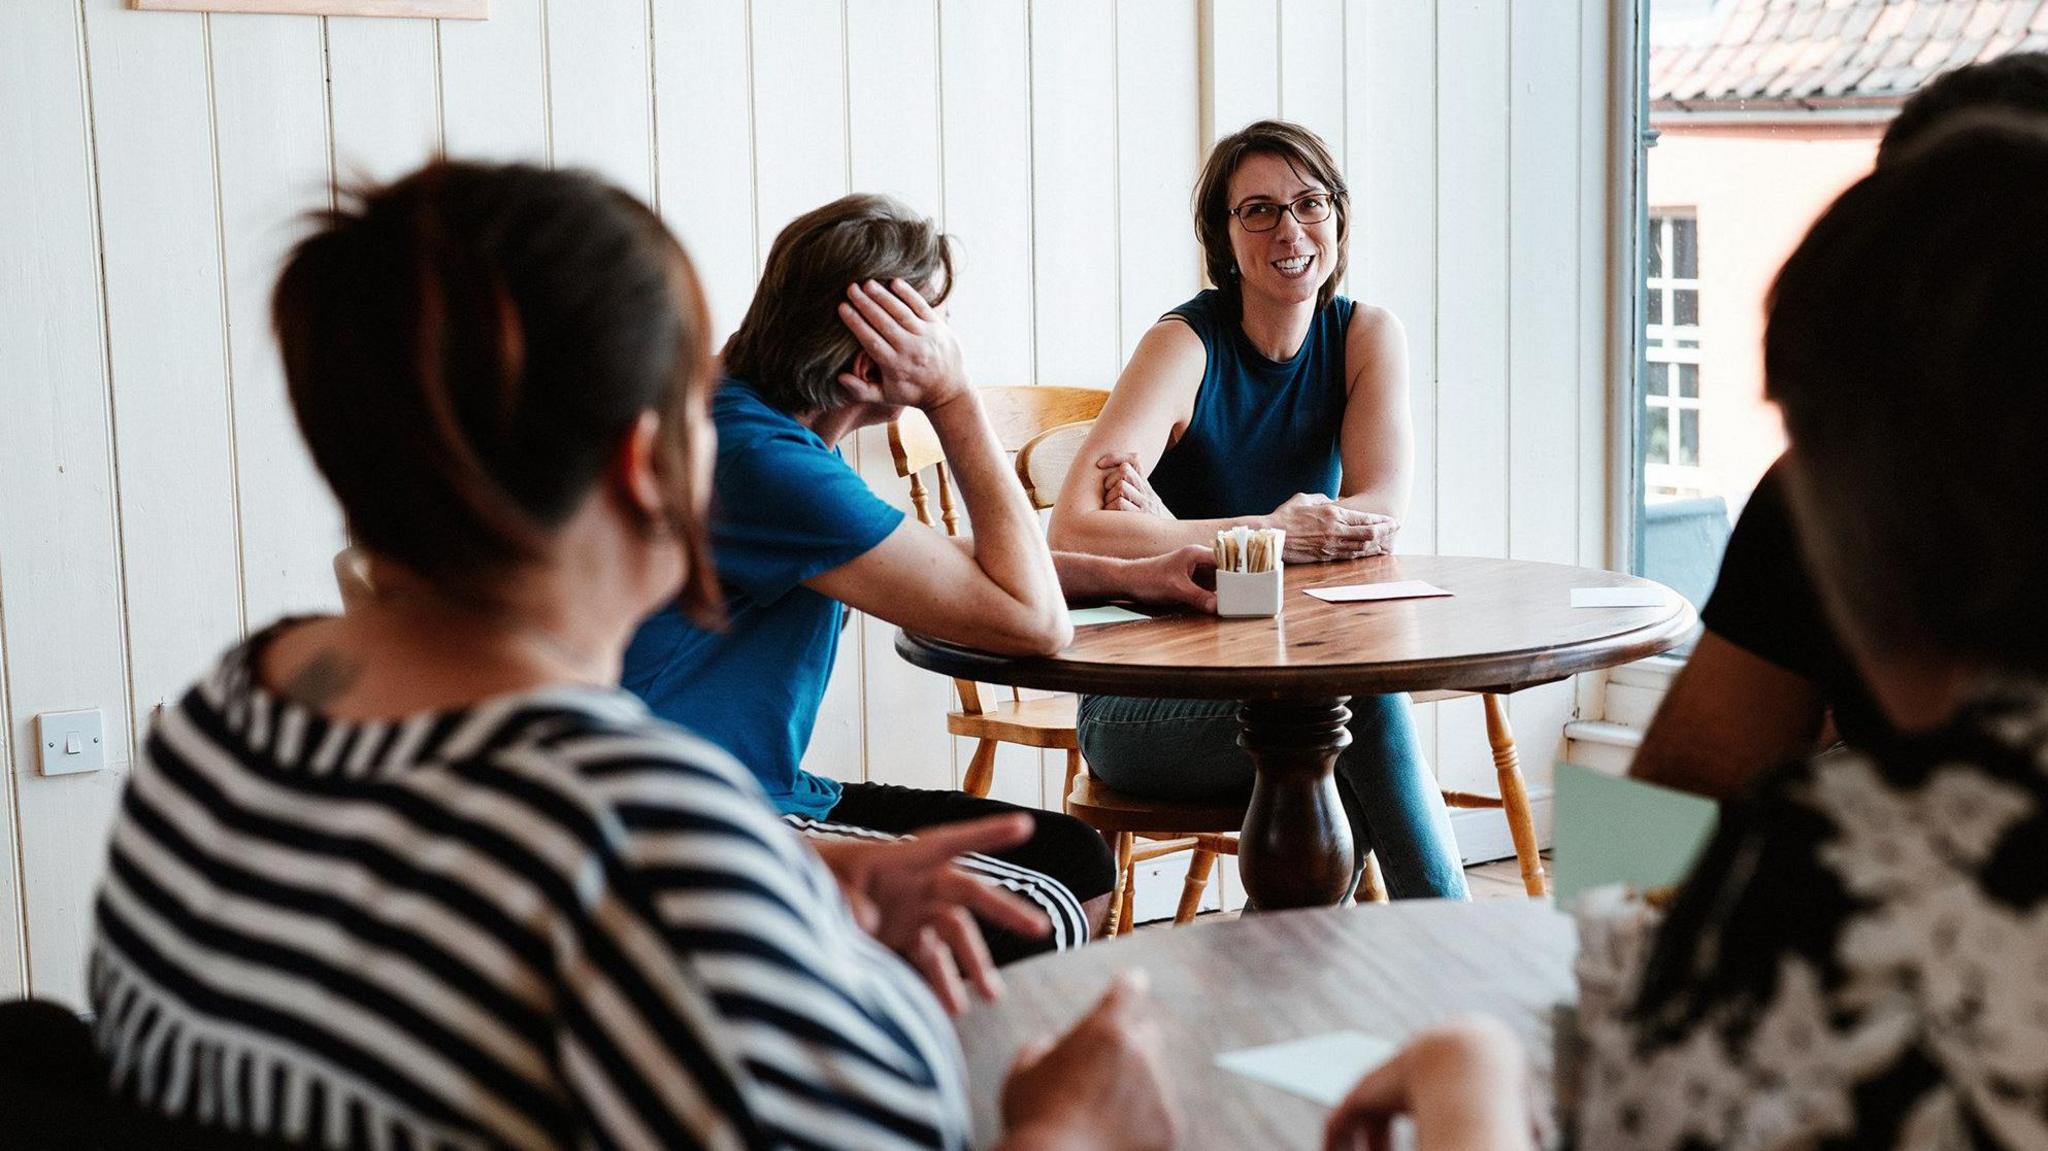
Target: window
[[1758, 115], [1671, 378]]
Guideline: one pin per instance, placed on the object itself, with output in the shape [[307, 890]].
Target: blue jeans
[[1187, 749]]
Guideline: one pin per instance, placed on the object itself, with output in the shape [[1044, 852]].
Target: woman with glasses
[[1267, 401]]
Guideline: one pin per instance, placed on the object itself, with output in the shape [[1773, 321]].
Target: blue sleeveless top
[[1262, 430]]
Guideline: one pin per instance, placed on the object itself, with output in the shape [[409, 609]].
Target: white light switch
[[70, 741]]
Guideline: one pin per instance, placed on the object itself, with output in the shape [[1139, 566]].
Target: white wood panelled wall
[[155, 502]]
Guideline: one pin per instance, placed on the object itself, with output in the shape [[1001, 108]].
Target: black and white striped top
[[548, 920]]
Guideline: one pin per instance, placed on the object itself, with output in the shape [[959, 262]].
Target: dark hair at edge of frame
[[1904, 347], [1305, 152], [467, 348], [792, 345], [2016, 83]]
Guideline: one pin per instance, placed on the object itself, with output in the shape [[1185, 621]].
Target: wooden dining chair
[[1205, 829], [1018, 414], [1135, 825]]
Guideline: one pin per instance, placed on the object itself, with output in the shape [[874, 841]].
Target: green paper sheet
[[1107, 613], [1615, 830]]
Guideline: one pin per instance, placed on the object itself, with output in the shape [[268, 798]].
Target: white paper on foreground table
[[1321, 1067], [1363, 592], [1619, 597]]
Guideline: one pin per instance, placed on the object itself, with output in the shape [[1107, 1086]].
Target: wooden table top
[[1507, 625], [1386, 969]]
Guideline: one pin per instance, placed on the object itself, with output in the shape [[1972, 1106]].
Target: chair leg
[[1514, 797], [981, 770], [1370, 889], [1199, 865], [1119, 896]]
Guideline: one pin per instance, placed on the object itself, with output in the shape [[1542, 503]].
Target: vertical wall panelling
[[1074, 260], [382, 89], [1391, 153], [493, 86], [1074, 192], [892, 119], [270, 114], [985, 66], [800, 153], [704, 105], [799, 109], [598, 106], [172, 425], [1158, 152], [59, 547], [1473, 229], [1312, 80], [1543, 329], [1241, 64]]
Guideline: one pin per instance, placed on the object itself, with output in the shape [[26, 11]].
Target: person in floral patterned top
[[1861, 957]]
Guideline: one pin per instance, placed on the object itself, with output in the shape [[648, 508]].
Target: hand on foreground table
[[908, 894], [1320, 529], [1170, 578], [1099, 1087], [1463, 1083]]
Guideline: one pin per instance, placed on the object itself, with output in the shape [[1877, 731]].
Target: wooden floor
[[1501, 879]]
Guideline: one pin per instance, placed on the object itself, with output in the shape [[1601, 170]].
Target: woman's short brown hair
[[792, 344], [1305, 152], [466, 351]]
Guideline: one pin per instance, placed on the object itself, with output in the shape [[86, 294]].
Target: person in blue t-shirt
[[844, 332]]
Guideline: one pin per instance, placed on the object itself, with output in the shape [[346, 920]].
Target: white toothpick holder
[[1244, 595]]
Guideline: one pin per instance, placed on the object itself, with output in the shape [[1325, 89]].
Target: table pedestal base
[[1296, 848]]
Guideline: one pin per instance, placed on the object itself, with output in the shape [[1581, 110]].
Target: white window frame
[[1665, 344]]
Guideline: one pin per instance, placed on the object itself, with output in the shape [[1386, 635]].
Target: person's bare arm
[[1002, 592], [1730, 715], [1167, 578], [1378, 439], [1150, 407]]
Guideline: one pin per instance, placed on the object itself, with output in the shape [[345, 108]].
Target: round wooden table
[[1507, 625], [1387, 970]]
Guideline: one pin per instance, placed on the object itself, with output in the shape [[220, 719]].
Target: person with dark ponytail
[[1857, 958], [422, 875]]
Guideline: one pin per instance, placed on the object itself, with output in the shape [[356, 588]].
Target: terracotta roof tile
[[1792, 53]]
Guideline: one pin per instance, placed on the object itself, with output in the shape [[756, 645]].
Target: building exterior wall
[[1754, 191]]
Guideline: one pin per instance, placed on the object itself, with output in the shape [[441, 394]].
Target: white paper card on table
[[1320, 1067], [1107, 613], [1620, 597], [1363, 592]]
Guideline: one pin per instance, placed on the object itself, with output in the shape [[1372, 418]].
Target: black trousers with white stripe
[[1063, 865]]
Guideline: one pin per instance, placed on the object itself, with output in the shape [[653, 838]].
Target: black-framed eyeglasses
[[1264, 215]]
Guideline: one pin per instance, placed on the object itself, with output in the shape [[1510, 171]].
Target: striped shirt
[[547, 920]]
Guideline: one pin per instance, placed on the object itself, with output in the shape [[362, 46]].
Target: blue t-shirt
[[786, 507]]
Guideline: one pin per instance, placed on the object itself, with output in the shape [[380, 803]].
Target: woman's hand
[[913, 351], [1463, 1083], [1169, 578], [907, 894], [1125, 488], [1099, 1086], [1319, 530]]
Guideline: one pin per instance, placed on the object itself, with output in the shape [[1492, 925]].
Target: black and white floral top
[[1860, 960]]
